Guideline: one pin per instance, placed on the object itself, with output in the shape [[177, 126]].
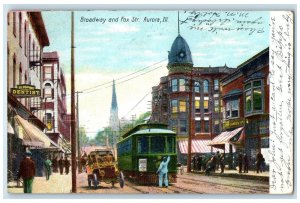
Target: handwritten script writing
[[281, 102], [223, 21]]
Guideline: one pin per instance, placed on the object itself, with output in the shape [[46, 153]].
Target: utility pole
[[78, 133], [190, 123], [73, 122]]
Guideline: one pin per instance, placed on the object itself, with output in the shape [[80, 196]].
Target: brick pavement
[[57, 184]]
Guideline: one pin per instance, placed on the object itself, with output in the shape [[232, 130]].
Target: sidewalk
[[57, 184], [252, 175]]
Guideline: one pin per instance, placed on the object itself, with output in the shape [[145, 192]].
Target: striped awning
[[10, 129], [200, 147], [31, 135], [224, 137]]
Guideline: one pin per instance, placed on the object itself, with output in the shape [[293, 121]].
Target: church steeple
[[114, 104]]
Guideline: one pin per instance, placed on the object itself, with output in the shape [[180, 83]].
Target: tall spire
[[178, 23], [114, 104]]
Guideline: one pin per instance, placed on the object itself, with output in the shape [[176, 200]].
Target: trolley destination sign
[[25, 90]]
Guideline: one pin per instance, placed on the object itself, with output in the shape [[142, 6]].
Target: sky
[[122, 45]]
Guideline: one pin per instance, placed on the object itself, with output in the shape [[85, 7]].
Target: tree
[[84, 140]]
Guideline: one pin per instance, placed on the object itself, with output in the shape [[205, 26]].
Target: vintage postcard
[[150, 101]]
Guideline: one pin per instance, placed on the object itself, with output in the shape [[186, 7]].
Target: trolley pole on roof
[[73, 121], [190, 123]]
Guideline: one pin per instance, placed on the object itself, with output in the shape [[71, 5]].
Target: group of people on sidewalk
[[217, 161], [27, 169]]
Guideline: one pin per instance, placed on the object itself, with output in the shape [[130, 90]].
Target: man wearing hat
[[163, 172], [27, 172]]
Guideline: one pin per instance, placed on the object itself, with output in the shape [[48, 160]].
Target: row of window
[[253, 92], [24, 36], [180, 105], [200, 125], [156, 144], [181, 85]]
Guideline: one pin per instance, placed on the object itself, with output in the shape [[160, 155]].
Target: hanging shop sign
[[25, 91]]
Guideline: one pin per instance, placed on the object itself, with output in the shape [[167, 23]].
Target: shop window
[[198, 126], [197, 104], [182, 85], [206, 126], [174, 105], [48, 72], [205, 86], [232, 108], [48, 90], [174, 84], [216, 85], [182, 106], [14, 71], [253, 96], [20, 29], [216, 105], [14, 24], [174, 125], [197, 87], [20, 74], [205, 105], [183, 126]]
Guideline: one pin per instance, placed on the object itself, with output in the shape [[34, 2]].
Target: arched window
[[47, 90], [197, 86], [205, 86]]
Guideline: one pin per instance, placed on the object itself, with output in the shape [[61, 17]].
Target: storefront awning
[[224, 138], [10, 129], [199, 146], [31, 135]]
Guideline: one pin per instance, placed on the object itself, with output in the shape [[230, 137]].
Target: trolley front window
[[143, 145], [158, 144], [170, 145]]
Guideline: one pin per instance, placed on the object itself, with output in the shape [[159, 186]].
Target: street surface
[[186, 184]]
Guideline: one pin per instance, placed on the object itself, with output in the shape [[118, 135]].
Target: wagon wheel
[[121, 179]]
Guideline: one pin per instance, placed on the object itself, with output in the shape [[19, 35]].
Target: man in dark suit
[[27, 172], [61, 164], [67, 165]]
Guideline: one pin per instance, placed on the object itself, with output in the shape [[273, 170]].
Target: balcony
[[35, 58]]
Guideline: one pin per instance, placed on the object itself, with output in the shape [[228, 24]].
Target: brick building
[[170, 99], [26, 38], [54, 95], [246, 105]]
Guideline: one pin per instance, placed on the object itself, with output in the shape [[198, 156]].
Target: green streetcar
[[143, 148]]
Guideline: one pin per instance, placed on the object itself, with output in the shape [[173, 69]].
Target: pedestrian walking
[[199, 162], [61, 165], [218, 158], [222, 163], [246, 163], [259, 159], [240, 162], [47, 164], [27, 172], [54, 164], [263, 165], [194, 163], [163, 172], [67, 165], [214, 162], [209, 167]]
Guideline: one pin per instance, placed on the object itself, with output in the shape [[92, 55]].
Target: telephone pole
[[73, 122], [190, 123], [78, 133]]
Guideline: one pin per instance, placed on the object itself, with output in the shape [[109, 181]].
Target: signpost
[[25, 90]]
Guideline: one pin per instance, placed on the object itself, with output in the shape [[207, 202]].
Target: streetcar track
[[196, 182]]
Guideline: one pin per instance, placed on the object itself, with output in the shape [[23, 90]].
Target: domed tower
[[180, 57]]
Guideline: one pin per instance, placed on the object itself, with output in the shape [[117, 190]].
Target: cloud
[[199, 54]]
